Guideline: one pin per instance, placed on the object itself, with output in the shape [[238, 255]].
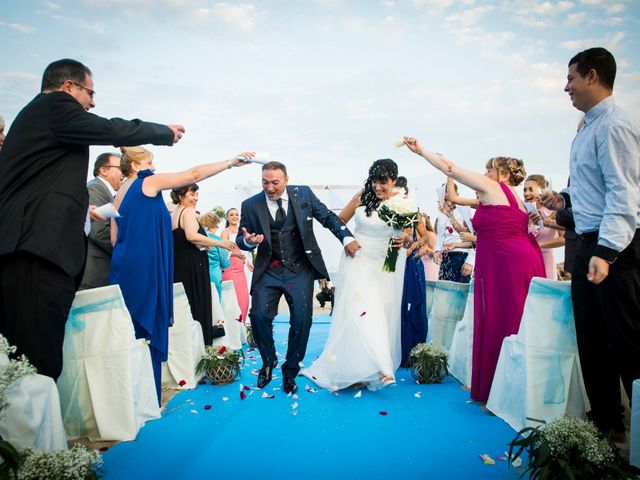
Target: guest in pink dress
[[548, 238], [507, 258], [235, 272]]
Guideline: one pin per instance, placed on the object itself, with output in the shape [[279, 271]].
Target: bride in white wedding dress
[[364, 339]]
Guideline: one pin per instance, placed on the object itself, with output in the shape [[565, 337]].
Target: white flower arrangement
[[569, 447], [78, 463], [428, 362], [11, 371]]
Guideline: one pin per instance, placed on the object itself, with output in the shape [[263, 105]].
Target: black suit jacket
[[254, 216], [43, 174], [99, 248]]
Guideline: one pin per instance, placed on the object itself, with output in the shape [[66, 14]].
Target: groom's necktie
[[280, 214]]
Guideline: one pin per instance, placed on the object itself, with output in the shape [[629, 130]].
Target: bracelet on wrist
[[229, 165]]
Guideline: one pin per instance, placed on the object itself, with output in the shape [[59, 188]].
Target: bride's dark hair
[[379, 172]]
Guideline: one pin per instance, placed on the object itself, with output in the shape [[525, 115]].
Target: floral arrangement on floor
[[79, 463], [399, 213], [251, 341], [428, 362], [570, 448], [220, 364], [12, 370]]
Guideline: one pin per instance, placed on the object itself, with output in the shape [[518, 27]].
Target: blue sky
[[327, 86]]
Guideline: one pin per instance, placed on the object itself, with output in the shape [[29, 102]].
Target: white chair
[[32, 418], [430, 287], [634, 448], [461, 351], [232, 337], [538, 376], [447, 309], [186, 345], [107, 389]]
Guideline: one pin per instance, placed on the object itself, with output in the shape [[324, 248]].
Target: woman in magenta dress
[[507, 258], [238, 259]]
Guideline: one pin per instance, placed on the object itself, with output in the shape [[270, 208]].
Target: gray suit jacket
[[99, 248]]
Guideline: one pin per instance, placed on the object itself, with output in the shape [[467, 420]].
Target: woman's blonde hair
[[209, 220], [133, 155], [513, 166], [539, 179]]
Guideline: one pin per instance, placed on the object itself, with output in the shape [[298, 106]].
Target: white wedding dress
[[364, 338]]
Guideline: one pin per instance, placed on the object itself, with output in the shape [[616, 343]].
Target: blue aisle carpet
[[428, 432]]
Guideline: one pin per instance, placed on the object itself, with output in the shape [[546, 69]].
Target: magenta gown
[[507, 257]]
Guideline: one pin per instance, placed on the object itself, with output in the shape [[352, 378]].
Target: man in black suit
[[288, 261], [43, 206], [102, 189]]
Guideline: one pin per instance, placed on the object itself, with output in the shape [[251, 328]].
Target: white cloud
[[477, 36], [468, 17], [240, 16], [19, 27], [616, 8], [51, 5], [594, 2], [578, 18], [610, 21], [433, 4], [548, 8], [610, 42]]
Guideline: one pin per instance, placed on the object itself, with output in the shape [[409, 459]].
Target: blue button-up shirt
[[605, 175]]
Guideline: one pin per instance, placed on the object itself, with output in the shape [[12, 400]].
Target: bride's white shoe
[[387, 380]]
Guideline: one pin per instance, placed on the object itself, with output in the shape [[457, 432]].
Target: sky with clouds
[[327, 86]]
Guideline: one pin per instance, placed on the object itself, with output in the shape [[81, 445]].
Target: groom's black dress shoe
[[289, 384], [264, 377]]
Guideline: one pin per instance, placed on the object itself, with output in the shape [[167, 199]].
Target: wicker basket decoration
[[428, 363], [220, 364]]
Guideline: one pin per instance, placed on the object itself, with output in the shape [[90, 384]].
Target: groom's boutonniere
[[399, 213]]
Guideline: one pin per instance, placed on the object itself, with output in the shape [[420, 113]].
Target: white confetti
[[295, 396], [418, 394], [309, 218], [193, 411], [307, 251], [333, 389], [358, 395], [294, 405], [225, 399], [294, 412]]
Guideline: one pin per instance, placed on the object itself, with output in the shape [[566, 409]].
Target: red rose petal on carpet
[[242, 396], [182, 383], [207, 407], [383, 413]]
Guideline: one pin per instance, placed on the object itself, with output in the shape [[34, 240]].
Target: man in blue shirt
[[605, 197]]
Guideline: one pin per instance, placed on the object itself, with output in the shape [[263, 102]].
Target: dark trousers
[[451, 266], [297, 289], [607, 320], [35, 299]]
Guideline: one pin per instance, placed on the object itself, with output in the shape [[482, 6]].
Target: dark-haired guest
[[190, 244], [604, 194], [102, 189], [43, 206]]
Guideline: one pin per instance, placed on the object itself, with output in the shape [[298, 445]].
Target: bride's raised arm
[[476, 181], [349, 210]]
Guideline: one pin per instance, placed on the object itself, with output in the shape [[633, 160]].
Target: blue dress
[[218, 260], [413, 317], [142, 264]]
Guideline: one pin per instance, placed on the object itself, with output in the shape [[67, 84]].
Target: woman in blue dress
[[218, 256], [142, 260]]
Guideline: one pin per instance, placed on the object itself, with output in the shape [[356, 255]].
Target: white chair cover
[[186, 345], [538, 376], [430, 287], [32, 416], [107, 389], [449, 299], [232, 337], [634, 452], [461, 351]]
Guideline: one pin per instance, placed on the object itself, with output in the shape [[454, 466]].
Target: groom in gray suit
[[107, 181]]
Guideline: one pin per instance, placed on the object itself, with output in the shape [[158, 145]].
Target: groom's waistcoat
[[286, 244]]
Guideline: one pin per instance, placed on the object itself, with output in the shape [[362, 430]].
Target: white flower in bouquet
[[399, 213]]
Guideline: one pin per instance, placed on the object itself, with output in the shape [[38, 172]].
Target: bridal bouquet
[[399, 213]]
